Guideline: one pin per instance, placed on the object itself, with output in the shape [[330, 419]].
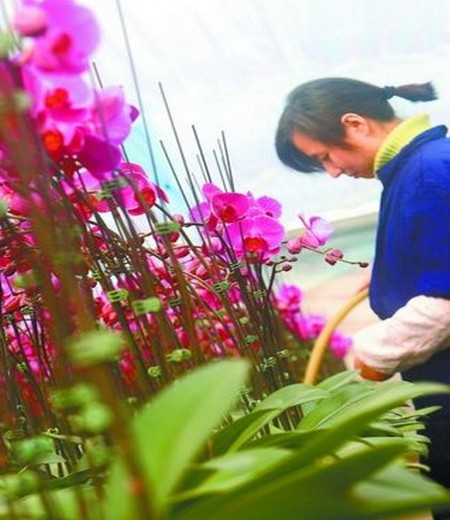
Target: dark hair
[[316, 107]]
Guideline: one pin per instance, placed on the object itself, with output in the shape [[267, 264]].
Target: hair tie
[[388, 92]]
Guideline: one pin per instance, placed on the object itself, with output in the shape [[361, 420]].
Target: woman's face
[[354, 158]]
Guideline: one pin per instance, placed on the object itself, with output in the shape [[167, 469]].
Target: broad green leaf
[[319, 492], [332, 384], [342, 398], [395, 491], [338, 380], [236, 434], [291, 440], [394, 393], [352, 421], [173, 428], [291, 395], [243, 429], [234, 469]]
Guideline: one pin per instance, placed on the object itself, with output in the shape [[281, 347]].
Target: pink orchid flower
[[58, 46], [261, 234], [288, 298], [229, 207], [30, 21], [224, 206], [140, 192], [112, 116], [317, 233], [264, 206], [340, 344]]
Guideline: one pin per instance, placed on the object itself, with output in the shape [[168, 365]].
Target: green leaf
[[338, 380], [383, 397], [289, 440], [240, 431], [173, 428], [243, 429], [234, 469], [319, 492], [353, 420], [342, 398], [291, 395], [395, 491]]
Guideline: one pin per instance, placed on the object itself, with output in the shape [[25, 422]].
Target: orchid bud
[[30, 21], [333, 255], [294, 246]]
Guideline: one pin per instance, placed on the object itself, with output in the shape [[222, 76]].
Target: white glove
[[410, 337]]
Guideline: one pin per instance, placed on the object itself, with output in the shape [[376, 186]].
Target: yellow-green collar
[[400, 136]]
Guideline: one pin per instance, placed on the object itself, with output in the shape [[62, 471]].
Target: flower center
[[53, 140], [253, 244], [62, 44], [57, 99], [228, 213]]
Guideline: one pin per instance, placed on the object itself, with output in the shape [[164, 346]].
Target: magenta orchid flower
[[229, 207], [226, 207], [30, 21], [264, 206], [112, 116], [57, 25], [261, 235], [288, 298], [201, 213], [209, 190], [147, 192], [340, 344], [317, 233]]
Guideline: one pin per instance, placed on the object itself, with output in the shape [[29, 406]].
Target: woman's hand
[[370, 373]]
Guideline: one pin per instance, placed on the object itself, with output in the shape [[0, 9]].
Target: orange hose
[[320, 345]]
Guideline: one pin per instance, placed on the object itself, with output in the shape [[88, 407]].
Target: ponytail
[[412, 92]]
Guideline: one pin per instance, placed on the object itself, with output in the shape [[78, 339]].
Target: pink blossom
[[111, 115], [137, 192], [72, 35], [314, 324], [73, 119], [288, 298], [261, 234], [30, 21], [340, 344], [229, 207], [294, 246], [264, 206], [209, 190], [200, 212], [98, 156], [317, 231]]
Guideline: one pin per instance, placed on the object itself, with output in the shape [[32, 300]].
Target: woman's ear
[[355, 124]]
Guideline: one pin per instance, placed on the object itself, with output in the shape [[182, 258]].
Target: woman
[[348, 127]]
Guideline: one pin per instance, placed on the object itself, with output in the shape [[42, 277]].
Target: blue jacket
[[412, 254]]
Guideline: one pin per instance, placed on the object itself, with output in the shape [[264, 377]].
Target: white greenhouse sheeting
[[228, 65]]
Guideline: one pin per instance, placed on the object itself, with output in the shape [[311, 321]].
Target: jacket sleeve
[[410, 337]]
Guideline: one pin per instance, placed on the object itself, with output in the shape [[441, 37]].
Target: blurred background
[[228, 66]]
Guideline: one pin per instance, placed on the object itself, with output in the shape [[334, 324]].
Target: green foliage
[[259, 470], [173, 428], [346, 457]]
